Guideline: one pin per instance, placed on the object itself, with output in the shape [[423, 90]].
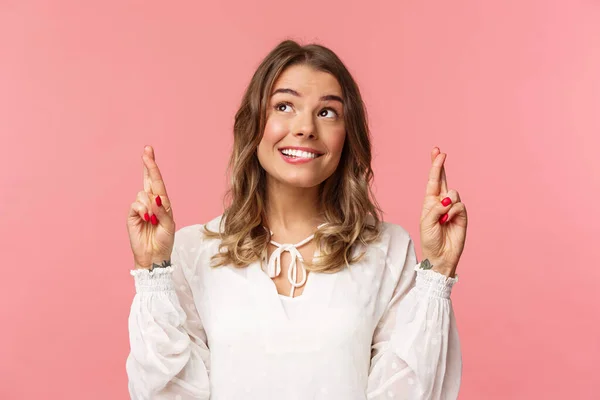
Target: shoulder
[[214, 224], [392, 237], [193, 250], [193, 236], [395, 230], [395, 249]]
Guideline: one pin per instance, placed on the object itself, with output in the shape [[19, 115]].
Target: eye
[[282, 104], [335, 114], [323, 113]]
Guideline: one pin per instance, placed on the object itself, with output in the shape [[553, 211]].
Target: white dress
[[379, 329]]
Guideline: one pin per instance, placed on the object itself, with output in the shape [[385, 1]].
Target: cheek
[[335, 142], [275, 130]]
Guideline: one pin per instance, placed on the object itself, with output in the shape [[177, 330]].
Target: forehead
[[308, 81]]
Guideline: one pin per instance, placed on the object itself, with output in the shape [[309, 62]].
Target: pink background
[[509, 89]]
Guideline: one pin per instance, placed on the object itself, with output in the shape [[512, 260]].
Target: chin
[[301, 182]]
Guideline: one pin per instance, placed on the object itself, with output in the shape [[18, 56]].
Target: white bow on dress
[[274, 264]]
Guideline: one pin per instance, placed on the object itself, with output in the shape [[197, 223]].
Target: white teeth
[[298, 153]]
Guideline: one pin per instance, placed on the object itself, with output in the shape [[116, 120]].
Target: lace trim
[[435, 283], [157, 280]]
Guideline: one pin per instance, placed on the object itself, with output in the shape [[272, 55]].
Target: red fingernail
[[146, 217], [154, 219], [446, 201], [158, 201], [442, 220]]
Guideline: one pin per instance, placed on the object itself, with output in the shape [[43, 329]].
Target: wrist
[[159, 262], [440, 266], [450, 273]]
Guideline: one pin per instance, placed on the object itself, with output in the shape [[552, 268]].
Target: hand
[[443, 228], [151, 227]]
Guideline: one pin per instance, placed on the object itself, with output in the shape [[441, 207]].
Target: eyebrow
[[330, 97]]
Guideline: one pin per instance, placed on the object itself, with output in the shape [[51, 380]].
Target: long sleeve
[[416, 350], [169, 357]]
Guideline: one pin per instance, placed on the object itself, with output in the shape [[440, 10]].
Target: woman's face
[[304, 133]]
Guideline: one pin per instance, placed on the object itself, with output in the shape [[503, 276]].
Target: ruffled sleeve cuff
[[157, 280], [434, 284]]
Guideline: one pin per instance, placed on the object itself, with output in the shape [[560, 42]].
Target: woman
[[299, 290]]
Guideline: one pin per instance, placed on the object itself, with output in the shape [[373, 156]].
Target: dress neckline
[[274, 262]]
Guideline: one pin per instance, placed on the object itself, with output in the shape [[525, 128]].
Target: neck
[[292, 211]]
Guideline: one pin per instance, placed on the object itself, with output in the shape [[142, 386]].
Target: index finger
[[444, 182], [147, 180], [157, 185]]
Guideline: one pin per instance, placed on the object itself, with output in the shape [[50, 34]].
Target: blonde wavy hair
[[346, 199]]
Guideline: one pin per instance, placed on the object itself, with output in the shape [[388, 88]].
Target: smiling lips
[[299, 155]]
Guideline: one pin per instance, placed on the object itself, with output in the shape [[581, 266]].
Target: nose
[[305, 127]]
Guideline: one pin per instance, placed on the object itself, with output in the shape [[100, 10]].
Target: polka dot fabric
[[379, 329]]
